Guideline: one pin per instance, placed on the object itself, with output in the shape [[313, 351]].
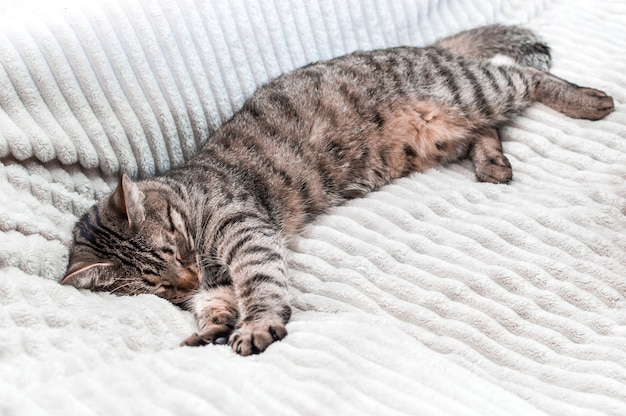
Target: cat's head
[[137, 240]]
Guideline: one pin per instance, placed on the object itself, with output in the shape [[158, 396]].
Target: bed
[[436, 295]]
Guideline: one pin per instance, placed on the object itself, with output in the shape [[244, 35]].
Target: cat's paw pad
[[496, 169], [595, 104], [212, 334], [255, 337]]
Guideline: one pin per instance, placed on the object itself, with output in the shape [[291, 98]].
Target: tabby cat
[[210, 236]]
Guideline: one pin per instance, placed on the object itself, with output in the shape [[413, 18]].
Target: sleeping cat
[[210, 236]]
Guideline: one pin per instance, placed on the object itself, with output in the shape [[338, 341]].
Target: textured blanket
[[436, 295]]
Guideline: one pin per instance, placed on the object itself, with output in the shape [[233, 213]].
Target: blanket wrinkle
[[435, 295]]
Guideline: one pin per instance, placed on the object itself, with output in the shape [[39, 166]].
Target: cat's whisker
[[209, 259], [208, 262], [124, 286]]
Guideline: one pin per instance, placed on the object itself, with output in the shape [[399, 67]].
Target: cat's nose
[[188, 279]]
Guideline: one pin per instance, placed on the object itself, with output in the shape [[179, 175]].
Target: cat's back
[[337, 129], [314, 137], [334, 100]]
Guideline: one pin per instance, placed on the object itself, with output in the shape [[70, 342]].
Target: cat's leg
[[253, 249], [490, 164], [570, 99], [216, 312], [260, 280]]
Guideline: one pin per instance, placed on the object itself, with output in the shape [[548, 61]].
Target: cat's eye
[[148, 282], [158, 284], [167, 250]]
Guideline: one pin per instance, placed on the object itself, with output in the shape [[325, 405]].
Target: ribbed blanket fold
[[436, 295]]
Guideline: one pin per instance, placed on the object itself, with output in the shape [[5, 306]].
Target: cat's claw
[[255, 337], [221, 341]]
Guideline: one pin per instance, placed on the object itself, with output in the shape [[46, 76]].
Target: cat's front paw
[[211, 334], [254, 337]]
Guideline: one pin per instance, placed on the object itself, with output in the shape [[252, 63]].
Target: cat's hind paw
[[594, 105], [494, 169], [255, 337]]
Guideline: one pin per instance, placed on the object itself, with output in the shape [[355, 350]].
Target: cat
[[211, 236]]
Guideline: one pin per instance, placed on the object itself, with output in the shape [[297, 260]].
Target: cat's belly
[[423, 135]]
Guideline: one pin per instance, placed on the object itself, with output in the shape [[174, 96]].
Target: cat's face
[[135, 241]]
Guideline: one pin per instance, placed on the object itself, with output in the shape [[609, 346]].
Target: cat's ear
[[83, 275], [127, 201]]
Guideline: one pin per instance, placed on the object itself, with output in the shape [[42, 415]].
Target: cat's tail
[[486, 42]]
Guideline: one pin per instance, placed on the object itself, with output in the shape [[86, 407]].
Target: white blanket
[[437, 295]]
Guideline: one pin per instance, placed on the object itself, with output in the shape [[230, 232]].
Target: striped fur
[[211, 235]]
